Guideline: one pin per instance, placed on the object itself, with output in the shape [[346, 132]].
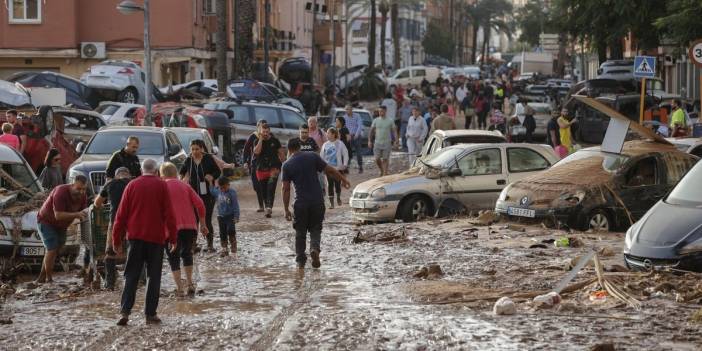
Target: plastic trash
[[562, 242], [547, 300], [504, 306], [598, 296]]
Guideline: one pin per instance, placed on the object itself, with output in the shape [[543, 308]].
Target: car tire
[[239, 153], [414, 208], [599, 220], [128, 96]]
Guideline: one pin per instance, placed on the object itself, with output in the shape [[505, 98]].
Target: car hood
[[666, 231], [370, 185]]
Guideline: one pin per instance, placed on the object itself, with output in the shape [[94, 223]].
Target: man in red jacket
[[146, 215]]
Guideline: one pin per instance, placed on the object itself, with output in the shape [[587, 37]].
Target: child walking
[[335, 154], [227, 214]]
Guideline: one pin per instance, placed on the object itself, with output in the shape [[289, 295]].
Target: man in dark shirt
[[301, 169], [64, 205], [306, 143], [17, 129], [112, 192], [553, 130], [269, 156], [126, 157]]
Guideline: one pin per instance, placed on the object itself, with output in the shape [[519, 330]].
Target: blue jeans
[[357, 147], [308, 218], [403, 131]]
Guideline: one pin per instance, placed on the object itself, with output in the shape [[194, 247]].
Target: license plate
[[358, 203], [521, 212], [32, 251]]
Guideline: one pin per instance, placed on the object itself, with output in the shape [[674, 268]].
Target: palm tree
[[221, 44], [383, 8], [244, 30], [488, 15]]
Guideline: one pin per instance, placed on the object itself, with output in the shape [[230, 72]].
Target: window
[[269, 114], [25, 11], [107, 110], [106, 143], [481, 162], [292, 120], [403, 74], [419, 73], [367, 119], [209, 7], [644, 173], [525, 160], [241, 115], [697, 151]]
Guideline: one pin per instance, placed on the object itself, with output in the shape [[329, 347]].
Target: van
[[414, 75]]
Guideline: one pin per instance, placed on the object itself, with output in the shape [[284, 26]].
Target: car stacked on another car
[[118, 113], [156, 143], [119, 80], [77, 94], [455, 179]]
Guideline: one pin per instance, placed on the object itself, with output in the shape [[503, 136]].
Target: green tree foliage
[[681, 23], [533, 19], [437, 41]]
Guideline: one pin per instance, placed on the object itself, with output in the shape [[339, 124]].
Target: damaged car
[[21, 197], [670, 234], [598, 190], [455, 179]]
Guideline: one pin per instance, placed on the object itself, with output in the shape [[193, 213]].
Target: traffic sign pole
[[641, 103], [644, 67]]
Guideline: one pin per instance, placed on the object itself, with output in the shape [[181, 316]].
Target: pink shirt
[[319, 138], [11, 140], [184, 199]]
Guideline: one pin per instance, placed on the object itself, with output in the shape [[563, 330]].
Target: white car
[[20, 203], [118, 80], [117, 113], [455, 179], [688, 145], [414, 75], [205, 87]]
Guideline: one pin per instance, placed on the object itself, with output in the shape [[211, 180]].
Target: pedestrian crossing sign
[[644, 67]]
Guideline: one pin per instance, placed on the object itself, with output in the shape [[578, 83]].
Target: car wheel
[[239, 153], [128, 96], [599, 221], [415, 208]]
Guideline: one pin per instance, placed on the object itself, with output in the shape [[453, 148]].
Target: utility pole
[[346, 48], [333, 31], [266, 38], [314, 25]]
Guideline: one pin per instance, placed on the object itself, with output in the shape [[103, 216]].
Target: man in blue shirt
[[354, 124], [301, 169]]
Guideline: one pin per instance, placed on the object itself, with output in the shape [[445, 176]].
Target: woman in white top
[[335, 154], [416, 132]]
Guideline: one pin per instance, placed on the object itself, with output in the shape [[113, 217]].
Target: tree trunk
[[602, 51], [221, 44], [616, 50], [245, 52], [474, 48], [486, 42], [383, 9], [371, 36], [560, 69], [395, 33]]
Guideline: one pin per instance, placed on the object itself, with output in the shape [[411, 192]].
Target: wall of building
[[56, 30]]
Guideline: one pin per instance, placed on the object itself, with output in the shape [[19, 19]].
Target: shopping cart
[[94, 232]]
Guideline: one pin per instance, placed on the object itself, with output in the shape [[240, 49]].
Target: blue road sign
[[644, 67]]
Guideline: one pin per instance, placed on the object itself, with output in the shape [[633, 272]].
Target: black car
[[77, 94], [670, 234], [592, 124]]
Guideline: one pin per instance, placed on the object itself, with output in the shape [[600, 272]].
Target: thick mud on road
[[372, 295]]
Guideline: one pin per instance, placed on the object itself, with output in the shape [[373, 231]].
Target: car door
[[482, 178], [523, 162], [241, 121], [403, 77], [272, 116], [417, 75], [643, 185], [179, 158]]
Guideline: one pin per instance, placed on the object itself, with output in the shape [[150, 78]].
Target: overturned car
[[602, 191], [21, 197]]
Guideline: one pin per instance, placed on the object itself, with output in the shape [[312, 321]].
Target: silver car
[[455, 179], [118, 80]]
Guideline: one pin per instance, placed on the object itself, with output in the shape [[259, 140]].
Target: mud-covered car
[[597, 190], [456, 179], [21, 197], [440, 139], [669, 235]]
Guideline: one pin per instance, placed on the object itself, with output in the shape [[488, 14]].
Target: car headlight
[[72, 174], [503, 194], [378, 193]]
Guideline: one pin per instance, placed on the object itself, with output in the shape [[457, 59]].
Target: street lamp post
[[128, 7]]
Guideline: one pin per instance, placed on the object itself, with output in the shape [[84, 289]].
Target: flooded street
[[370, 295]]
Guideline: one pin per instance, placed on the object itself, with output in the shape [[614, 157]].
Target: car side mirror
[[174, 150], [215, 150], [455, 172], [80, 148]]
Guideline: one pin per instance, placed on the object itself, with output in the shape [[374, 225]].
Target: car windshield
[[107, 143], [688, 192], [444, 157], [186, 137], [473, 139], [610, 163]]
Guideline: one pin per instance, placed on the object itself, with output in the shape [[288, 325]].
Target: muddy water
[[363, 298]]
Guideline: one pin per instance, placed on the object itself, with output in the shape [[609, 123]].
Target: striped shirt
[[354, 124]]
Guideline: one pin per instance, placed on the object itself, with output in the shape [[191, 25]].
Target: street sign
[[695, 53], [645, 67]]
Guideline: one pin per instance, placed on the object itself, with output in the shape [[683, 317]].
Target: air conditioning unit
[[92, 50]]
